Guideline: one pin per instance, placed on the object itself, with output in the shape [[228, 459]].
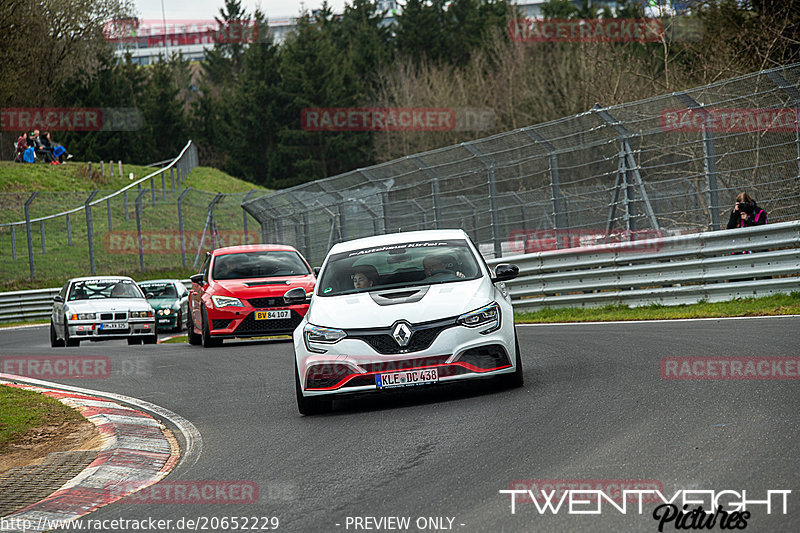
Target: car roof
[[253, 248], [101, 278], [396, 238]]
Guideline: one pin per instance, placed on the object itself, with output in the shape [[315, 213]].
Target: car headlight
[[141, 314], [164, 312], [318, 335], [487, 317], [83, 316], [226, 301]]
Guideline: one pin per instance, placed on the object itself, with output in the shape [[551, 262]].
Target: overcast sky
[[208, 9]]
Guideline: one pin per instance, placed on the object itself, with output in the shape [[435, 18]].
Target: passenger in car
[[439, 267], [364, 276]]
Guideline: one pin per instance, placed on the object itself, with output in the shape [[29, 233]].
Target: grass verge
[[24, 413], [777, 304]]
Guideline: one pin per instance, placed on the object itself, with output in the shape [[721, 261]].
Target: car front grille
[[390, 366], [422, 336], [251, 326], [262, 303], [113, 316]]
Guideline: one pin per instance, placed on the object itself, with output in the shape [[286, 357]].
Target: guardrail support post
[[90, 228], [180, 226], [28, 232], [710, 162], [138, 210]]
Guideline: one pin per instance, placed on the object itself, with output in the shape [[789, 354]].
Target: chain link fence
[[154, 224], [668, 165]]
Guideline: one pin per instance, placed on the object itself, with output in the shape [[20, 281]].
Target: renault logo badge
[[402, 334]]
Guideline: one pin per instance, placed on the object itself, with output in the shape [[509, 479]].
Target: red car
[[239, 293]]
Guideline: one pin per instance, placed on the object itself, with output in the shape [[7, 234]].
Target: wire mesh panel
[[668, 165]]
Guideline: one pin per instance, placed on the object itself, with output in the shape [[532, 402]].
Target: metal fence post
[[108, 209], [492, 186], [69, 230], [710, 162], [125, 196], [172, 177], [13, 243], [244, 216], [791, 90], [138, 210], [474, 216], [163, 187], [41, 231], [437, 210], [153, 192], [90, 228], [559, 209], [28, 232], [180, 226]]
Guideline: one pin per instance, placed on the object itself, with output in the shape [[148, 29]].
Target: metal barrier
[[708, 266]]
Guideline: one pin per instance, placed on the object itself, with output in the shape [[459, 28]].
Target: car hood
[[258, 288], [361, 311], [108, 304], [159, 303]]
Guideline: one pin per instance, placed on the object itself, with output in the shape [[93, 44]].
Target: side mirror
[[295, 296], [149, 295], [505, 272], [316, 271], [197, 278], [58, 298]]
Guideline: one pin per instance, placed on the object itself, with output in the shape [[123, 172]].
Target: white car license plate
[[405, 378], [273, 315], [114, 325], [163, 320]]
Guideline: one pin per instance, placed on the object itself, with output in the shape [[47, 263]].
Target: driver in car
[[436, 268]]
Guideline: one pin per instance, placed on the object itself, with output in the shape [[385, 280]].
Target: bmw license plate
[[273, 315], [407, 377], [114, 325]]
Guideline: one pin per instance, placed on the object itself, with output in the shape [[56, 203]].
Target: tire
[[208, 340], [67, 340], [517, 379], [179, 323], [150, 339], [55, 342], [134, 340], [309, 406], [194, 338]]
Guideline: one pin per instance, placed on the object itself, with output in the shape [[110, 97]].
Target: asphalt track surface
[[593, 407]]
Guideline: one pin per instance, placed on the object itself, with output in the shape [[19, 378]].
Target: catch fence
[[668, 165]]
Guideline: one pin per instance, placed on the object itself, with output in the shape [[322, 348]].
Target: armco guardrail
[[29, 305], [673, 270]]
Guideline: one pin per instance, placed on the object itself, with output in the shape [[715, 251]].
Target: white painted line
[[659, 321]]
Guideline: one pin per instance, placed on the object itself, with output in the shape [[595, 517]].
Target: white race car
[[100, 308], [402, 310]]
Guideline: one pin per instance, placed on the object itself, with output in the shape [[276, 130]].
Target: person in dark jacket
[[58, 152], [746, 213]]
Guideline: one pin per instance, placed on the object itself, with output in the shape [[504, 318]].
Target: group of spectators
[[31, 146]]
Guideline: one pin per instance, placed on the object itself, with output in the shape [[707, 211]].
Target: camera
[[747, 207]]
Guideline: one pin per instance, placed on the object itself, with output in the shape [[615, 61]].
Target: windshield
[[258, 265], [95, 289], [398, 265], [160, 290]]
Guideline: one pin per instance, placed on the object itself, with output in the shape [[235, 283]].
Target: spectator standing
[[746, 213]]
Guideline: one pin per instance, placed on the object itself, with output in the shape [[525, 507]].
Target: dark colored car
[[239, 293], [170, 299]]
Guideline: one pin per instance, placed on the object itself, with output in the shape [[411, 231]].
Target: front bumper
[[224, 324], [122, 329], [458, 353], [167, 322]]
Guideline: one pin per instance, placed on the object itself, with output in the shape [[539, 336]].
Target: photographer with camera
[[746, 213]]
